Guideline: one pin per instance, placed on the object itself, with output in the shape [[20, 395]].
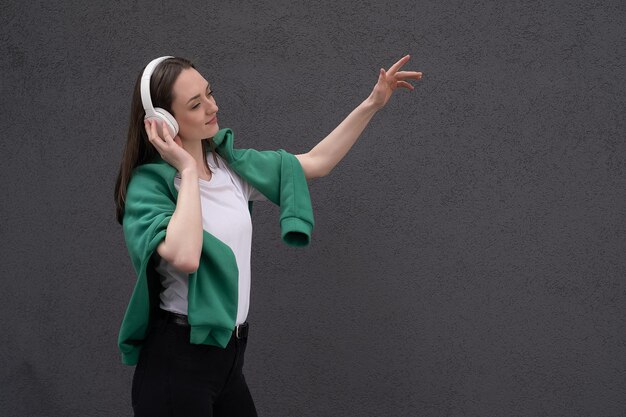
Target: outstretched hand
[[390, 80]]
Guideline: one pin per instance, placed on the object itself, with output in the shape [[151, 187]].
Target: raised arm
[[320, 160], [183, 241]]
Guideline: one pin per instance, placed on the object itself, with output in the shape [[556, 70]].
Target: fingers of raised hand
[[405, 85], [151, 130], [395, 67], [153, 136], [166, 132], [404, 75], [146, 125]]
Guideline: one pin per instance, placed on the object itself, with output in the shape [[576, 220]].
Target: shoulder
[[224, 141], [156, 167], [152, 176], [153, 171]]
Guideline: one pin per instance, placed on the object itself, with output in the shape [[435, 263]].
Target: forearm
[[183, 240], [328, 152]]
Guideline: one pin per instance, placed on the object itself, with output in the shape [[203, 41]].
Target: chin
[[213, 128]]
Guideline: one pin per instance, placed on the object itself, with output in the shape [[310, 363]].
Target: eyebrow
[[208, 87]]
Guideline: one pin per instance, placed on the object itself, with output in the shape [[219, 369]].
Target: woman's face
[[194, 106]]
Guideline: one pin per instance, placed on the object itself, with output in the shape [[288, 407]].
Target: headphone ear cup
[[159, 119], [171, 122]]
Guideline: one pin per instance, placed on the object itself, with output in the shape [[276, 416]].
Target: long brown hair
[[138, 148]]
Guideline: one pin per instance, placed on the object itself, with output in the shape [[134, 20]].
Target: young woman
[[183, 196]]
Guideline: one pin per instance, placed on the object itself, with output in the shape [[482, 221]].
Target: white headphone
[[158, 114]]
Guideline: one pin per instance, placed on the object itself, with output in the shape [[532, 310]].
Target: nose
[[211, 106]]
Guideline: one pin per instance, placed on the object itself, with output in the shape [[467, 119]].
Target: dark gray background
[[468, 255]]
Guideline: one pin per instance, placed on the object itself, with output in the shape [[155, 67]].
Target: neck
[[195, 150]]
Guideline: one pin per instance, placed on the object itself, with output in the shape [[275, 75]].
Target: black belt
[[240, 331]]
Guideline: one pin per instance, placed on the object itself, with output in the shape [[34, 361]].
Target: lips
[[213, 120]]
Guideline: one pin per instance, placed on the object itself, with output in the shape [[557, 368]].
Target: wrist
[[190, 171], [369, 105]]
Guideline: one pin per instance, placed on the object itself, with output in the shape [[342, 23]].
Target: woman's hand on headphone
[[170, 149]]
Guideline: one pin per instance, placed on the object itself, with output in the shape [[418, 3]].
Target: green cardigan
[[213, 288]]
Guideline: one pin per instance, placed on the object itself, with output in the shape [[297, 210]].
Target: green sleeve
[[279, 176], [150, 203]]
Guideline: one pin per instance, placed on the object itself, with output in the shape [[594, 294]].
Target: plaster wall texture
[[468, 256]]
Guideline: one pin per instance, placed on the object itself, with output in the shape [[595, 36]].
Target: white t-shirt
[[225, 215]]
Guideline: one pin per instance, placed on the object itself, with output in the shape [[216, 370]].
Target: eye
[[195, 106], [210, 93]]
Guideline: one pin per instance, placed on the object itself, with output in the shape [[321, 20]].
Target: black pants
[[176, 378]]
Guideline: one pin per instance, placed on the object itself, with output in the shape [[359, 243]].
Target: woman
[[183, 196]]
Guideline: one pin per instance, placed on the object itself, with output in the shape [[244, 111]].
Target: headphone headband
[[146, 100]]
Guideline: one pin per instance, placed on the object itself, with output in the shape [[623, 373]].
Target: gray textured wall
[[468, 257]]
